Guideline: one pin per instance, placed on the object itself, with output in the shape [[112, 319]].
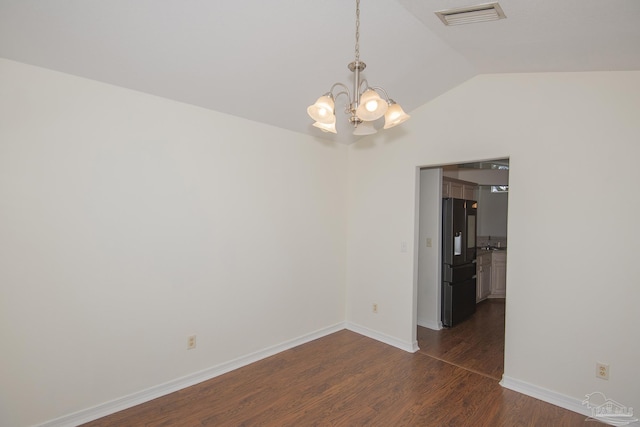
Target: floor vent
[[471, 14]]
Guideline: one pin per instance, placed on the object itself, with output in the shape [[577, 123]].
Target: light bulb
[[371, 106]]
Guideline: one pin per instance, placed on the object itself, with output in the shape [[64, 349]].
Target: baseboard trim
[[387, 339], [151, 393], [436, 326], [546, 395]]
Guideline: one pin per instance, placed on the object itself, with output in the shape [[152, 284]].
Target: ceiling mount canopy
[[364, 107]]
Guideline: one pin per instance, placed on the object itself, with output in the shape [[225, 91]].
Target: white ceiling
[[268, 60]]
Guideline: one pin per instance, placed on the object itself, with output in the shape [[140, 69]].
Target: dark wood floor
[[477, 344], [346, 379]]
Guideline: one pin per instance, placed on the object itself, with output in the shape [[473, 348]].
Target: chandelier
[[365, 107]]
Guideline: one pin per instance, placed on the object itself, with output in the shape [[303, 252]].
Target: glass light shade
[[322, 110], [371, 106], [394, 116], [365, 128], [327, 127]]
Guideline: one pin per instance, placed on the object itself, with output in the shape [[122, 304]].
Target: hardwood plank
[[477, 344], [345, 379]]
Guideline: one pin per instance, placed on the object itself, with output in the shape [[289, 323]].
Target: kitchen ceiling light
[[364, 107], [471, 14]]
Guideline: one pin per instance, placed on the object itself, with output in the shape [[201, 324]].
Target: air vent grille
[[471, 14]]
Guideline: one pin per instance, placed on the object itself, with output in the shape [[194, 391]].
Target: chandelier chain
[[357, 30]]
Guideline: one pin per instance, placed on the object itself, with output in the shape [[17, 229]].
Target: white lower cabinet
[[491, 272], [499, 274], [483, 276]]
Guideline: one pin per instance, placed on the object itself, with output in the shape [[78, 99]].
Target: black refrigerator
[[458, 260]]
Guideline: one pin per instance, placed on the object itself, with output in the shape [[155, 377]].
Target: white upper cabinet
[[459, 189]]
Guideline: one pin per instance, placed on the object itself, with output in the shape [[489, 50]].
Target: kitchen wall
[[128, 222], [572, 141], [492, 214]]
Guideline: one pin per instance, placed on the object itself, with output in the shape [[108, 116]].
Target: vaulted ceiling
[[268, 60]]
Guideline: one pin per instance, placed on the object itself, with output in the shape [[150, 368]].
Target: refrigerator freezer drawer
[[458, 273], [458, 301]]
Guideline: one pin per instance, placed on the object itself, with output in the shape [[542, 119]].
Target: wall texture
[[128, 222], [573, 294]]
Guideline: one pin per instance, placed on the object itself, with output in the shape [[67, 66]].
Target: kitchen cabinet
[[459, 189], [491, 272], [499, 274], [469, 192], [483, 276], [456, 190]]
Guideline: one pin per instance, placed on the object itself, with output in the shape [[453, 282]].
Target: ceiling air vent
[[471, 14]]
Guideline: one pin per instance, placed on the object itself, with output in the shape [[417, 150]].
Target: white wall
[[573, 284], [492, 212], [128, 222], [429, 258]]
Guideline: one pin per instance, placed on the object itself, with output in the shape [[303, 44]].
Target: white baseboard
[[546, 395], [436, 326], [143, 396], [410, 347]]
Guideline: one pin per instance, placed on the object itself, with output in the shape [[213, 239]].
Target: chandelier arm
[[347, 109], [342, 92], [345, 91]]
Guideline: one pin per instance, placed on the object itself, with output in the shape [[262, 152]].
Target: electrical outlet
[[602, 371], [428, 242], [191, 342], [375, 308]]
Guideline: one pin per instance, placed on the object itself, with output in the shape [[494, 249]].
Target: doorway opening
[[476, 344]]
